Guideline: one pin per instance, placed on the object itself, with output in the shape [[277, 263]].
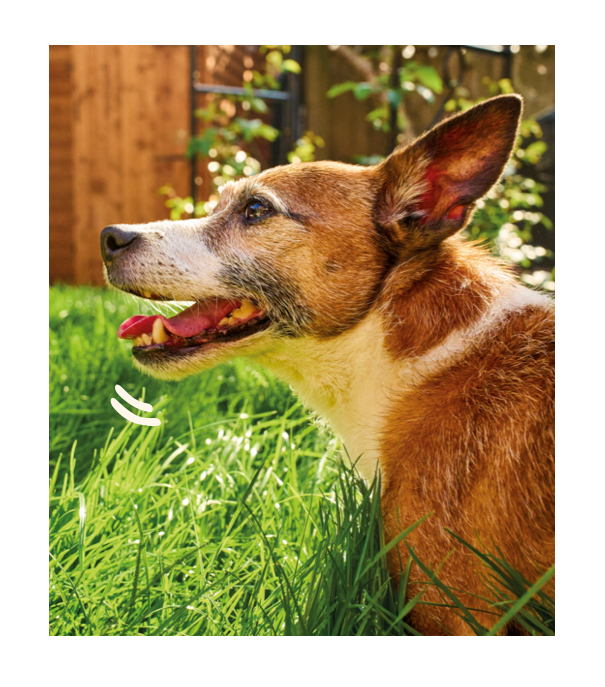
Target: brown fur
[[475, 445], [414, 344], [437, 292]]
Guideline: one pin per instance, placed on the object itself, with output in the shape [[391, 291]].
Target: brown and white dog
[[421, 350]]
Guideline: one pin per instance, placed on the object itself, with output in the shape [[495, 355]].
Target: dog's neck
[[351, 380], [345, 380]]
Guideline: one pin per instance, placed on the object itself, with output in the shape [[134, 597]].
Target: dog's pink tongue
[[190, 322]]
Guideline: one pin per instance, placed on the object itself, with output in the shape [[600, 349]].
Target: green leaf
[[202, 144], [546, 222], [272, 82], [259, 105], [258, 80], [429, 78], [341, 88], [525, 128], [275, 58], [407, 73], [534, 151], [255, 128], [506, 87], [246, 127], [380, 113], [291, 66], [363, 90], [267, 132]]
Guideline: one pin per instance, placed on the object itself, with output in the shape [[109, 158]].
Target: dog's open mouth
[[215, 321]]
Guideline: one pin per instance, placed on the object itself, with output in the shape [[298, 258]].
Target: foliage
[[305, 148], [506, 216], [410, 77]]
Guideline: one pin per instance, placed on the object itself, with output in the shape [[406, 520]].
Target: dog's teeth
[[147, 294], [138, 341], [158, 332], [225, 320], [245, 309], [147, 340]]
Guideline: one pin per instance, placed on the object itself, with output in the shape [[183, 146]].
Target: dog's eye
[[255, 209]]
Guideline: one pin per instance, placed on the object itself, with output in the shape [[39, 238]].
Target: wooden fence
[[120, 124], [119, 129]]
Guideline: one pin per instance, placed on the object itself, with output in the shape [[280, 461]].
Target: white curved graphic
[[139, 405], [131, 417]]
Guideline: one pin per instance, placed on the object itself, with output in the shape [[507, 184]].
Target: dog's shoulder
[[488, 384], [510, 363], [522, 344]]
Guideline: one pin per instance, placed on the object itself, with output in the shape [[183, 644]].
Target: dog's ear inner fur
[[427, 191]]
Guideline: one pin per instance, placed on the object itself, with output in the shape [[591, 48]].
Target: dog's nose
[[114, 240]]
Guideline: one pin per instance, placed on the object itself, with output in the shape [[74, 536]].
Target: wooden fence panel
[[119, 129], [340, 121], [171, 113], [61, 240], [130, 135]]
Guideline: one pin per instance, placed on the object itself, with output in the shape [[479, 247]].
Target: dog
[[423, 352]]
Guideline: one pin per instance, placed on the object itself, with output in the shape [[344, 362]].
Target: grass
[[234, 517]]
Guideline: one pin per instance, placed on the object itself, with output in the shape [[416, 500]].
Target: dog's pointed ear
[[427, 191]]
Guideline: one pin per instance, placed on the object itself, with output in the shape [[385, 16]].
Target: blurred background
[[143, 133]]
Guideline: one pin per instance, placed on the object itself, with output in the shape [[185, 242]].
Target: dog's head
[[302, 250]]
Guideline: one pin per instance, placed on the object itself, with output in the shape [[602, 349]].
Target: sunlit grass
[[234, 517]]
